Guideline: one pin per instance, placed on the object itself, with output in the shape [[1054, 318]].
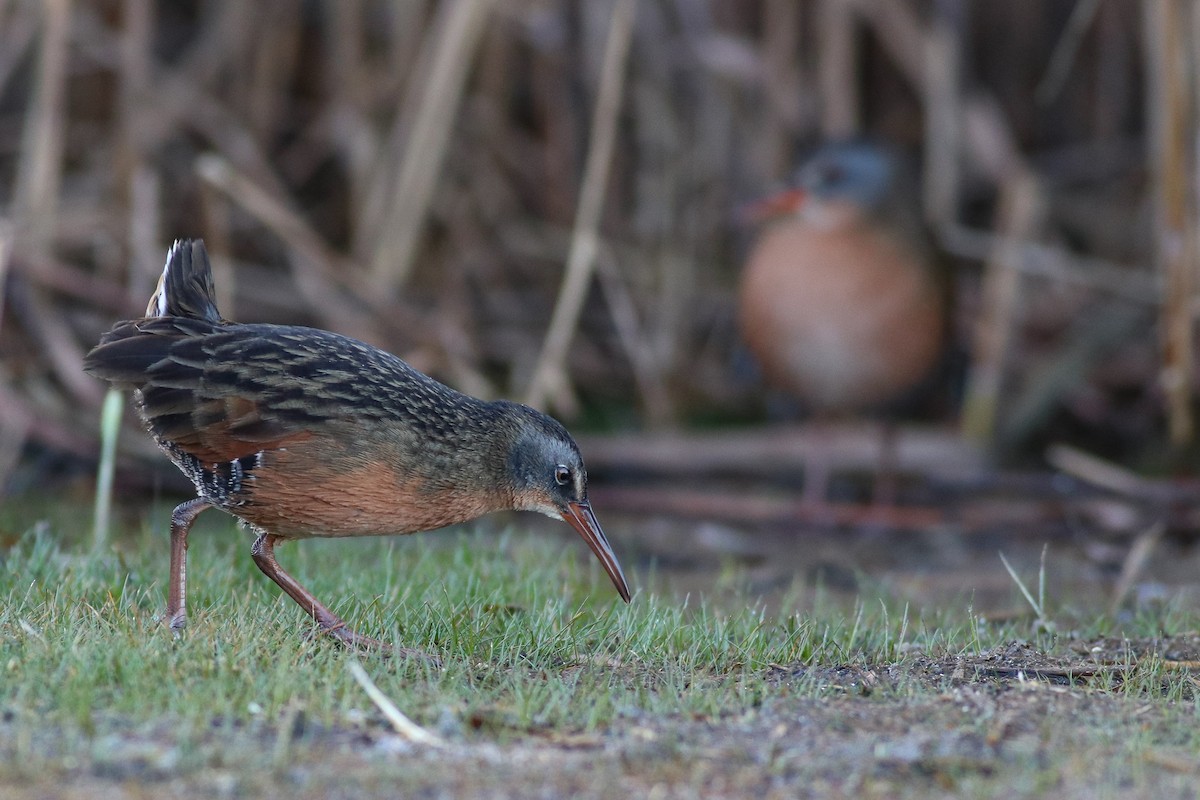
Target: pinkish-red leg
[[181, 523], [887, 481], [263, 553]]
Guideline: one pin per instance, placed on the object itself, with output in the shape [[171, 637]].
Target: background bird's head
[[840, 184]]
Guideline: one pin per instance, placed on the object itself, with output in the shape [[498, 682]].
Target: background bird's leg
[[817, 467], [263, 552], [887, 482], [181, 522]]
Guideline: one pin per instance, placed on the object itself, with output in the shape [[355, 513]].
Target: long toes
[[370, 646], [413, 654]]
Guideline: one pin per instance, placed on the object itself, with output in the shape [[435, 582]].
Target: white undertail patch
[[158, 301]]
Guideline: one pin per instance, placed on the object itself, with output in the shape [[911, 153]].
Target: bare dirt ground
[[1010, 723]]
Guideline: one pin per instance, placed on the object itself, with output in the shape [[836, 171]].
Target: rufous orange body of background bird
[[302, 433]]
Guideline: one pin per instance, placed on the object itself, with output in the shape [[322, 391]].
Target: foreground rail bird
[[839, 301], [300, 432]]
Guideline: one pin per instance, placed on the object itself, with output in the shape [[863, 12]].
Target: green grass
[[528, 629], [534, 646]]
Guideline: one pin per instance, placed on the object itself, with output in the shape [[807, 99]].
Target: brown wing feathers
[[169, 357]]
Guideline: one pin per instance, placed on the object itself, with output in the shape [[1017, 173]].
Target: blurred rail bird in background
[[839, 301]]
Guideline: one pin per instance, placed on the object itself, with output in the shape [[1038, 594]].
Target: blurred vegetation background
[[540, 198]]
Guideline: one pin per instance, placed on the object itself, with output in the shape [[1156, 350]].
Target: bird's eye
[[831, 175], [562, 475]]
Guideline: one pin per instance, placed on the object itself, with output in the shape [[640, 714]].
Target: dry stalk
[[837, 71], [943, 120], [453, 48], [549, 379], [1171, 121], [1020, 210], [315, 266], [40, 174], [648, 373]]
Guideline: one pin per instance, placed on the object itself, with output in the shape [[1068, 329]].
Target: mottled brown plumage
[[301, 432]]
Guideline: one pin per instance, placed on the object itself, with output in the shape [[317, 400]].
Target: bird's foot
[[176, 622]]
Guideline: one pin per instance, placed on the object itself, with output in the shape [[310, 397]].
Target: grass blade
[[110, 427]]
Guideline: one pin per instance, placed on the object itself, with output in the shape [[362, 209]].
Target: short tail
[[182, 307], [185, 288]]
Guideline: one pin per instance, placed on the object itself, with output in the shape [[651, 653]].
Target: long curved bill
[[580, 517]]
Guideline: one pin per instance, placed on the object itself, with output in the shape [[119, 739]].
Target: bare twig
[[1065, 51], [47, 272], [1056, 264], [647, 371], [1134, 563], [1098, 472], [400, 723], [6, 244], [17, 36], [740, 507], [768, 451]]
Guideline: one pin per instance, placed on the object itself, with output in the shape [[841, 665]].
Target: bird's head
[[841, 182], [546, 472]]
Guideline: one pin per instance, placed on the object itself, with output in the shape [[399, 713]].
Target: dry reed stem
[[901, 34], [741, 508], [145, 226], [1065, 52], [17, 35], [216, 209], [457, 38], [6, 247], [1172, 129], [143, 183], [837, 71], [40, 175], [648, 373], [768, 451], [1098, 472], [1020, 210], [943, 120], [1054, 263], [785, 84], [55, 342], [549, 381], [68, 280], [315, 267]]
